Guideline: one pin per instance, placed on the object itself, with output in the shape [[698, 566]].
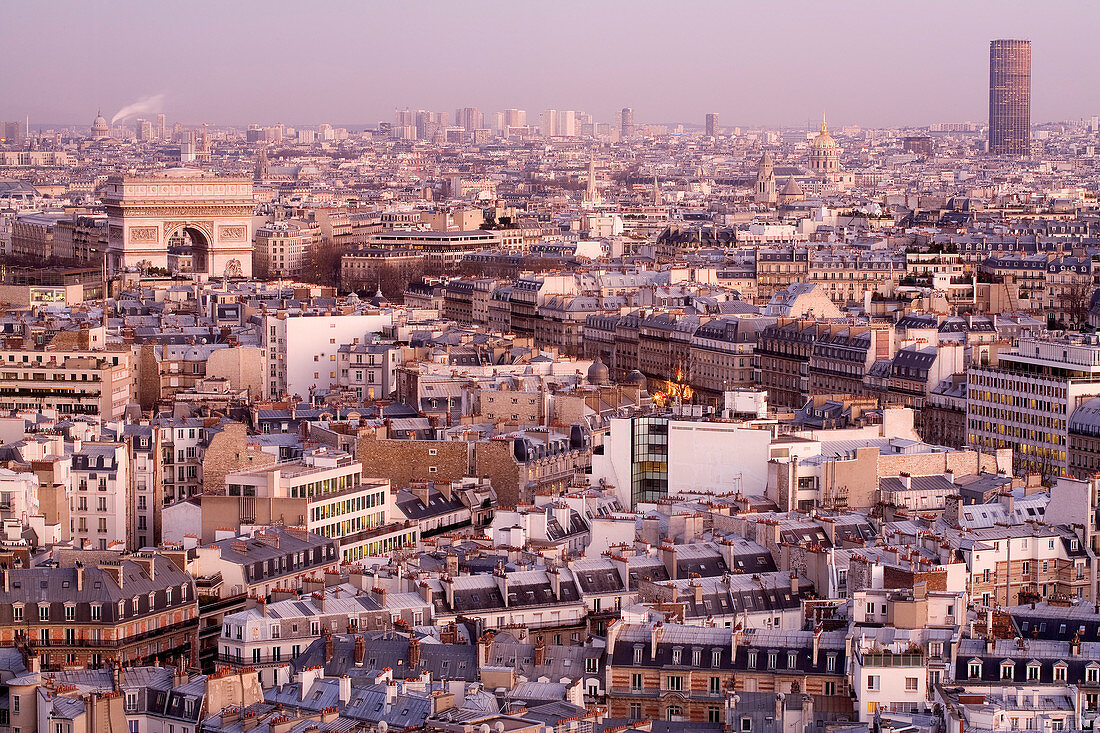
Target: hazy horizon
[[349, 63]]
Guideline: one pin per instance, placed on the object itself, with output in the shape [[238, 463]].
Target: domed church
[[824, 154], [100, 129]]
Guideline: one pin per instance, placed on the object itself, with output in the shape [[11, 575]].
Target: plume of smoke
[[143, 106]]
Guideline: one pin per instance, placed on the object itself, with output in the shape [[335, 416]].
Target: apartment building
[[71, 382], [843, 356], [370, 370], [101, 497], [269, 635], [325, 493], [783, 353], [1026, 400], [142, 607], [314, 338], [256, 564], [672, 672]]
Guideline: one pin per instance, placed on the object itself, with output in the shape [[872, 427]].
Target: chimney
[[817, 644], [118, 677], [345, 689], [180, 676], [483, 643], [414, 653], [330, 647], [554, 576], [360, 651], [540, 652], [779, 697], [794, 583], [79, 576], [451, 563], [907, 480], [654, 635], [698, 588]]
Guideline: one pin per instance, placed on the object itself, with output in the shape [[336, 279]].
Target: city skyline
[[755, 67]]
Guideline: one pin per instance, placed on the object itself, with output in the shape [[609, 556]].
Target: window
[[96, 612], [131, 702], [44, 612], [1007, 670], [911, 684], [18, 609], [716, 658], [715, 685], [714, 715], [636, 681], [676, 655], [746, 725], [637, 655], [674, 683], [873, 682], [635, 710], [1060, 673]]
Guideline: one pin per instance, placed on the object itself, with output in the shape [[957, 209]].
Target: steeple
[[824, 127], [656, 190], [591, 194]]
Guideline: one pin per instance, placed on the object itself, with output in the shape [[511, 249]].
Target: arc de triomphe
[[144, 213]]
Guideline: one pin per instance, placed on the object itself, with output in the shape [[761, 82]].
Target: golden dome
[[824, 141]]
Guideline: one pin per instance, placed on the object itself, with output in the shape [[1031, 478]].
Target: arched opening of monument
[[189, 242]]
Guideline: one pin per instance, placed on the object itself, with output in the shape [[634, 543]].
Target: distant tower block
[[627, 122], [712, 124], [1010, 97], [182, 207], [765, 181]]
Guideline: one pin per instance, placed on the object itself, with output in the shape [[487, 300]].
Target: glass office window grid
[[650, 460]]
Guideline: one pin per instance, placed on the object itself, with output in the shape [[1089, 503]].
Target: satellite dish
[[499, 727], [484, 728], [383, 726]]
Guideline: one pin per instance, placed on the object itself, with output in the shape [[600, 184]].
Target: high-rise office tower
[[1010, 97], [628, 122], [144, 130], [469, 118], [567, 123], [162, 126], [515, 117], [549, 123], [712, 124]]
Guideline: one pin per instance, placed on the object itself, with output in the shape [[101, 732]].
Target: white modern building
[[339, 503], [301, 350], [648, 458]]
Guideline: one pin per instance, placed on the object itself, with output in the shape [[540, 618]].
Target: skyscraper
[[628, 122], [712, 124], [1010, 97], [162, 127]]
